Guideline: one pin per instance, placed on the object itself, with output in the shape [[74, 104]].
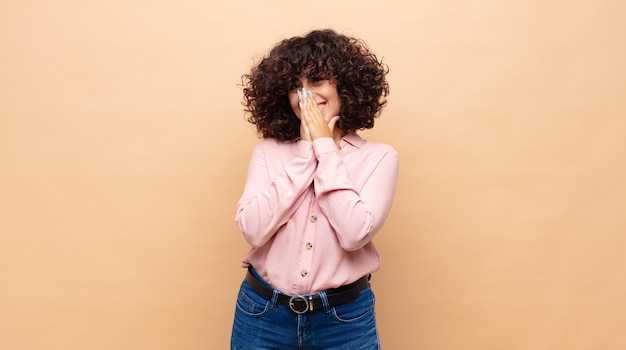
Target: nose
[[309, 86]]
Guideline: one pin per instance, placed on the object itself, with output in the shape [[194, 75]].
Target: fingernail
[[299, 94], [304, 92], [310, 93]]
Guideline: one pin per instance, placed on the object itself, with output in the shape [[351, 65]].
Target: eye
[[317, 80], [295, 86]]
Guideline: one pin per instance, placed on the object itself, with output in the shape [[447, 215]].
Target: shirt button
[[309, 246], [303, 273], [313, 218]]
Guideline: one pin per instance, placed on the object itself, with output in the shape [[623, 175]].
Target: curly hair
[[346, 61]]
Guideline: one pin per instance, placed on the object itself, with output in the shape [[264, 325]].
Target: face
[[324, 91]]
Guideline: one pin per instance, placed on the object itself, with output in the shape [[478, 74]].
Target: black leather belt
[[301, 304]]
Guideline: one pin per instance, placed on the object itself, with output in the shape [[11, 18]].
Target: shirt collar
[[353, 139]]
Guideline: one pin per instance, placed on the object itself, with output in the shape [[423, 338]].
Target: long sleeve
[[355, 213], [306, 238], [279, 175]]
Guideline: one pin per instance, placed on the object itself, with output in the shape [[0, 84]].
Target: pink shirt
[[310, 211]]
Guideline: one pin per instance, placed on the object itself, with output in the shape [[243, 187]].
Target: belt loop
[[275, 298], [325, 302]]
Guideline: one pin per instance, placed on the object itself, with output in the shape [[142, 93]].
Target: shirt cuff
[[324, 145], [305, 149]]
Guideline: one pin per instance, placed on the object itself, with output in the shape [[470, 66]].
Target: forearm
[[269, 201], [356, 211]]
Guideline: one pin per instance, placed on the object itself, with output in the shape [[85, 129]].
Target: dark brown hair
[[346, 61]]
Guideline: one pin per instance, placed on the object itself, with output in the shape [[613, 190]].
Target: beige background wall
[[123, 153]]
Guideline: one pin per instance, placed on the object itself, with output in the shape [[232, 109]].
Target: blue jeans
[[263, 324]]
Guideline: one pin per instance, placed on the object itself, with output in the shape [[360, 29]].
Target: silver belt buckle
[[300, 304]]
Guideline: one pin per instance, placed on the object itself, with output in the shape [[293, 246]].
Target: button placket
[[307, 244]]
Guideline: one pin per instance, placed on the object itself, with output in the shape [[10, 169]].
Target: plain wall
[[123, 152]]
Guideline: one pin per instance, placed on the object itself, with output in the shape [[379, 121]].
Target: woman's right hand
[[305, 134]]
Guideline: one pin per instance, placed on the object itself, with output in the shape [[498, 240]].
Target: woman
[[315, 196]]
